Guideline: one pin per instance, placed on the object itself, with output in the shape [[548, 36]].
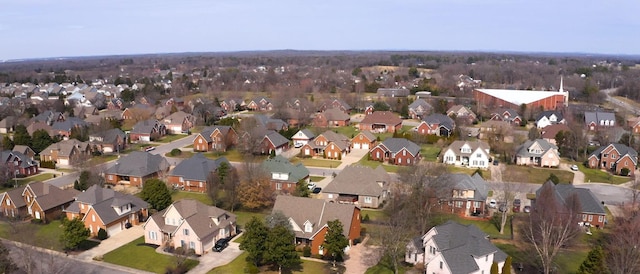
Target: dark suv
[[221, 244], [516, 205]]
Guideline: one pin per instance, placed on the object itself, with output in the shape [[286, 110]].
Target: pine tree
[[594, 263], [253, 241], [281, 249], [494, 268], [335, 242], [506, 268], [73, 233]]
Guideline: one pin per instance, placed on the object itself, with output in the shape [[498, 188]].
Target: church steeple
[[561, 88]]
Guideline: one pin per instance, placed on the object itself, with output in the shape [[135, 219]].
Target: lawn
[[35, 178], [42, 235], [316, 178], [486, 174], [232, 155], [243, 217], [599, 176], [202, 197], [238, 266], [429, 152], [374, 164], [316, 162], [534, 175], [146, 258], [383, 268], [374, 215], [170, 138]]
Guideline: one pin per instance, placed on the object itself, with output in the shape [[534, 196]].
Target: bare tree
[[393, 234], [506, 194], [622, 252], [552, 224], [634, 191]]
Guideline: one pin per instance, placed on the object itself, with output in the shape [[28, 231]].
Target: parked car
[[496, 162], [526, 209], [516, 205], [221, 244], [493, 203], [147, 149], [574, 167], [316, 190], [298, 145], [311, 186]]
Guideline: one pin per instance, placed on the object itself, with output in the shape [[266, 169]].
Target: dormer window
[[308, 227]]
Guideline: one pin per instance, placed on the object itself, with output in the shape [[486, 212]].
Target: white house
[[472, 154], [302, 137], [549, 117], [454, 248]]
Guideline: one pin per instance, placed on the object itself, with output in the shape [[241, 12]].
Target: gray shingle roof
[[359, 180], [459, 245], [276, 139], [206, 132], [459, 181], [523, 150], [588, 201], [395, 145], [318, 212], [68, 124], [598, 116], [49, 196], [474, 145], [64, 147], [139, 163], [270, 123], [367, 134], [420, 102], [308, 133], [145, 127], [338, 139], [109, 136], [199, 217], [103, 201], [622, 149], [548, 113], [440, 119], [280, 164], [334, 114], [198, 167]]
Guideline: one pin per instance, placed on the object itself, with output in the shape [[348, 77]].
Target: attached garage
[[145, 138], [356, 146], [107, 149], [62, 161], [114, 229]]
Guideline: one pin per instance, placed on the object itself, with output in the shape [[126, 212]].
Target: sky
[[69, 28]]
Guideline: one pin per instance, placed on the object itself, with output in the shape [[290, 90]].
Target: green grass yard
[[599, 176], [42, 235], [316, 162], [316, 178], [202, 197], [486, 174], [239, 264], [374, 215], [374, 164], [535, 175], [170, 138], [146, 258], [429, 152]]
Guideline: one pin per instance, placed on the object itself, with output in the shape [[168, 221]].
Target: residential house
[[66, 152], [497, 129], [64, 128], [83, 112], [104, 208], [135, 168], [147, 131], [359, 185], [538, 152], [8, 124], [260, 104], [329, 144], [468, 194], [369, 108], [285, 176], [332, 117], [336, 103], [46, 202], [436, 124], [614, 157], [592, 209], [12, 204], [26, 150], [49, 117], [419, 109], [598, 119], [549, 133], [364, 140], [508, 115], [455, 248], [472, 154], [302, 137], [215, 138], [549, 117], [18, 164], [380, 122], [309, 219], [232, 104], [632, 123], [191, 225], [273, 142], [192, 174], [396, 151], [108, 141], [270, 123], [179, 122], [461, 112], [138, 112], [35, 126]]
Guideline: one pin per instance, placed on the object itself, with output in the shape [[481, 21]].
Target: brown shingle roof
[[382, 117], [359, 180]]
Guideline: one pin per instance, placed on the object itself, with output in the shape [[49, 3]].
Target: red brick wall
[[377, 150], [332, 151], [354, 229], [200, 144]]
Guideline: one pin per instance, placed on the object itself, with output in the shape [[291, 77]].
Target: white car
[[492, 203], [311, 186], [574, 167]]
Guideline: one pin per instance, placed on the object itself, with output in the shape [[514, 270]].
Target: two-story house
[[109, 141], [302, 137], [364, 140], [614, 157], [538, 152], [462, 112], [549, 117], [285, 176], [454, 248], [192, 174], [46, 202], [329, 144], [436, 124], [215, 138], [191, 225], [592, 212], [359, 185], [18, 164], [472, 154], [598, 119], [104, 208], [396, 151], [332, 117], [419, 109], [468, 194], [66, 152], [506, 114], [179, 122], [147, 130]]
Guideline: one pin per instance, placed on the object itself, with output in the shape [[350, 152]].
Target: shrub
[[625, 171], [365, 218], [175, 152], [47, 164], [251, 268], [96, 153], [102, 234], [306, 251]]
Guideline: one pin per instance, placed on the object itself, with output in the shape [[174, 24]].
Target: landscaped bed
[[141, 256]]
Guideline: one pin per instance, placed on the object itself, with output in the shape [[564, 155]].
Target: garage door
[[365, 146], [145, 138], [107, 149], [114, 229], [63, 162], [356, 145]]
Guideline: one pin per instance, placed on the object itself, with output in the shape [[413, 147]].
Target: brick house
[[109, 141], [18, 163], [614, 158], [147, 131], [215, 138], [592, 209], [192, 174], [285, 175], [104, 208], [380, 122], [179, 122], [436, 124], [66, 152], [260, 104], [359, 185], [396, 151], [135, 168], [329, 144], [506, 114], [468, 194], [419, 109], [336, 103], [273, 142], [332, 117], [46, 202], [364, 140], [310, 217]]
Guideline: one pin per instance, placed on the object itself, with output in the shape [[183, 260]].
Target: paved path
[[361, 257], [578, 176], [353, 157], [111, 243], [212, 259]]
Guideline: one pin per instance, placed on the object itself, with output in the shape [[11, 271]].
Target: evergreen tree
[[506, 268], [253, 241], [335, 242], [7, 143], [494, 268], [40, 140], [281, 248], [594, 263], [21, 136], [73, 233], [156, 193]]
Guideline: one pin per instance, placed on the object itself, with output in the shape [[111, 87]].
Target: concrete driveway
[[213, 259], [113, 242], [578, 176]]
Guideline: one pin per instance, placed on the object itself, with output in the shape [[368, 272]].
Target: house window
[[368, 200], [404, 153], [399, 160], [458, 204], [200, 184], [93, 218], [278, 186], [110, 177], [613, 156], [441, 265], [192, 245], [153, 235], [186, 232], [409, 161], [584, 217], [199, 141], [181, 179], [8, 202], [600, 218], [308, 227], [590, 218], [377, 154]]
